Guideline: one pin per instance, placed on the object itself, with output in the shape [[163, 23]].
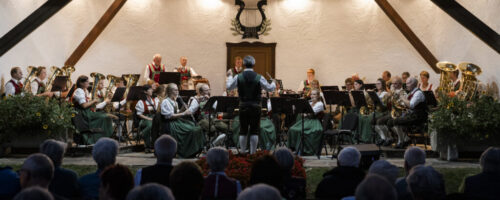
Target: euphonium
[[31, 75], [97, 77], [445, 83], [68, 69], [468, 82], [56, 71], [111, 80], [398, 106]]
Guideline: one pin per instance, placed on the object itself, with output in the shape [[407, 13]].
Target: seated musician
[[189, 137], [405, 76], [305, 86], [146, 110], [386, 75], [38, 85], [381, 124], [312, 128], [416, 115], [94, 119], [153, 69], [14, 86], [197, 103], [364, 131], [186, 74], [456, 81], [424, 84], [238, 68]]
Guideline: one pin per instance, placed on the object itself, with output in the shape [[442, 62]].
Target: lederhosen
[[18, 88], [154, 72], [250, 102]]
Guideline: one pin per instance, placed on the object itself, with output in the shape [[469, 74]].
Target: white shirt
[[139, 107], [194, 105], [80, 96], [418, 97], [10, 90], [168, 107], [318, 107], [191, 70], [232, 82], [301, 85]]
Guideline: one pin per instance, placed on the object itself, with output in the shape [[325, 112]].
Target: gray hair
[[424, 182], [414, 156], [150, 191], [412, 81], [217, 159], [260, 191], [249, 61], [165, 148], [385, 169], [170, 87], [490, 160], [349, 157], [40, 168], [34, 193], [375, 187], [199, 86], [284, 157], [104, 152], [54, 150]]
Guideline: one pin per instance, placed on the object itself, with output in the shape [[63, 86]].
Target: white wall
[[335, 37]]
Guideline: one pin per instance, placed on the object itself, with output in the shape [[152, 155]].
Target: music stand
[[282, 105], [370, 86], [430, 99], [376, 102], [170, 77], [59, 83], [303, 107], [359, 98], [186, 94], [225, 105], [329, 88], [118, 95]]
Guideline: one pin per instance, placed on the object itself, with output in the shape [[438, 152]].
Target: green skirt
[[145, 126], [189, 137], [97, 120], [267, 136], [312, 135]]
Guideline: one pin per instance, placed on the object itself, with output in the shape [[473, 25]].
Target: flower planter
[[451, 151], [29, 140]]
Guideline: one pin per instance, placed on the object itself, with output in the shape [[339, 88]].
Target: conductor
[[249, 85]]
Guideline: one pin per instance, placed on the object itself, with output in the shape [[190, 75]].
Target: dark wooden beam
[[408, 33], [471, 22], [30, 23], [95, 32]]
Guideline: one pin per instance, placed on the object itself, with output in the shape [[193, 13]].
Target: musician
[[83, 106], [306, 85], [189, 137], [120, 82], [386, 75], [101, 96], [405, 76], [381, 124], [424, 84], [38, 86], [456, 81], [238, 68], [14, 86], [145, 110], [312, 128], [417, 114], [186, 74], [197, 103], [249, 85], [364, 131], [153, 69]]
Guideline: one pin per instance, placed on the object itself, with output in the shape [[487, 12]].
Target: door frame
[[230, 45]]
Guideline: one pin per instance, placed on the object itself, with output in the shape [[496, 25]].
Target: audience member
[[342, 180], [34, 193], [116, 182], [413, 156], [376, 187], [165, 148], [65, 182], [266, 169], [217, 184], [37, 170], [260, 192], [150, 191], [485, 185], [425, 183], [186, 181], [293, 187], [385, 169], [104, 154], [9, 183]]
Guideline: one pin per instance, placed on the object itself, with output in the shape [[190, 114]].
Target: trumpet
[[31, 75], [97, 77], [56, 71]]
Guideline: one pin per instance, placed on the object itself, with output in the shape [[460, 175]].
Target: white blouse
[[318, 107], [139, 107], [194, 105], [80, 96], [168, 107]]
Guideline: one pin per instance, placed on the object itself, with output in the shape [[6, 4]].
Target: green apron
[[312, 135]]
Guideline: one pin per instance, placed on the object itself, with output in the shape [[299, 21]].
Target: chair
[[418, 131], [82, 127], [349, 125]]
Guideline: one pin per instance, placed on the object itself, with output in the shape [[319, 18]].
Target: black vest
[[249, 88], [156, 174]]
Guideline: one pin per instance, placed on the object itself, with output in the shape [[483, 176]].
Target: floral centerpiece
[[239, 166], [32, 115]]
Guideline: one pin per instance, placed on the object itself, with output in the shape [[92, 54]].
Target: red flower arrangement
[[239, 166]]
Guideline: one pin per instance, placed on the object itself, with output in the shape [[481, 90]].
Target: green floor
[[453, 176]]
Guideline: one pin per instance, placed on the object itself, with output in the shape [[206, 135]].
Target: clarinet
[[185, 106]]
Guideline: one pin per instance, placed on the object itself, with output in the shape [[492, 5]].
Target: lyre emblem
[[251, 32]]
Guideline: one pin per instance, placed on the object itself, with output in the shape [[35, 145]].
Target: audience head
[[405, 75], [16, 73], [359, 85], [165, 149], [266, 169], [386, 75], [285, 158], [116, 182], [157, 59], [217, 159], [490, 160], [385, 169], [34, 193], [54, 150], [150, 191], [260, 192], [104, 152], [349, 157], [249, 61], [426, 183], [413, 156], [375, 187], [82, 82], [424, 76], [172, 90], [186, 181], [37, 170]]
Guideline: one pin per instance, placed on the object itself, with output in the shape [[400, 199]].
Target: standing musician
[[249, 85], [14, 86], [381, 125], [189, 137], [417, 114], [197, 103], [238, 68], [38, 86], [152, 70], [186, 74], [305, 86], [146, 109]]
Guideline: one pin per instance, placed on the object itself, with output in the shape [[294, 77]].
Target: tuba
[[398, 107], [56, 71], [97, 77], [468, 82], [67, 70], [445, 83], [31, 75]]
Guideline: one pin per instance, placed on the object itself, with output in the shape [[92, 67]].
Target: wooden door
[[264, 54]]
